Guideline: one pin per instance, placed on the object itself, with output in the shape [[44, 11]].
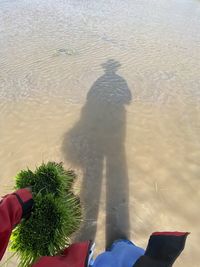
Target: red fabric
[[10, 215], [24, 194], [74, 256], [171, 233]]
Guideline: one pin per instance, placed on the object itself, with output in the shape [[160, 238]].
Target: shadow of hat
[[111, 64]]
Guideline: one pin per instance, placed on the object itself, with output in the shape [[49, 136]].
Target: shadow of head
[[111, 66]]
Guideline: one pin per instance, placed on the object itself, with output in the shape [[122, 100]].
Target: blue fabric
[[123, 253]]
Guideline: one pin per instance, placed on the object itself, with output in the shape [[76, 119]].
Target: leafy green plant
[[55, 217]]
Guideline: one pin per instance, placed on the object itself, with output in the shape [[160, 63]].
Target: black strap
[[26, 206]]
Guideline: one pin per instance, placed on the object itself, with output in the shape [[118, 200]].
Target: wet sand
[[131, 132]]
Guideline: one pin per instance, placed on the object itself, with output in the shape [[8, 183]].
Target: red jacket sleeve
[[12, 208], [75, 255]]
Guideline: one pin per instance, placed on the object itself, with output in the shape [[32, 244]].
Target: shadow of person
[[97, 140]]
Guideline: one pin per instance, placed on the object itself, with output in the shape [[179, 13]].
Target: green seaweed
[[55, 217]]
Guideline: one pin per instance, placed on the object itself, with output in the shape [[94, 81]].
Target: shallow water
[[129, 127]]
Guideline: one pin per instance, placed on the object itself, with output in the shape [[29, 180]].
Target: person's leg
[[117, 194], [123, 253], [90, 197]]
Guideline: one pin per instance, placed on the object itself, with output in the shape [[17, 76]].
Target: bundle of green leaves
[[55, 216]]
